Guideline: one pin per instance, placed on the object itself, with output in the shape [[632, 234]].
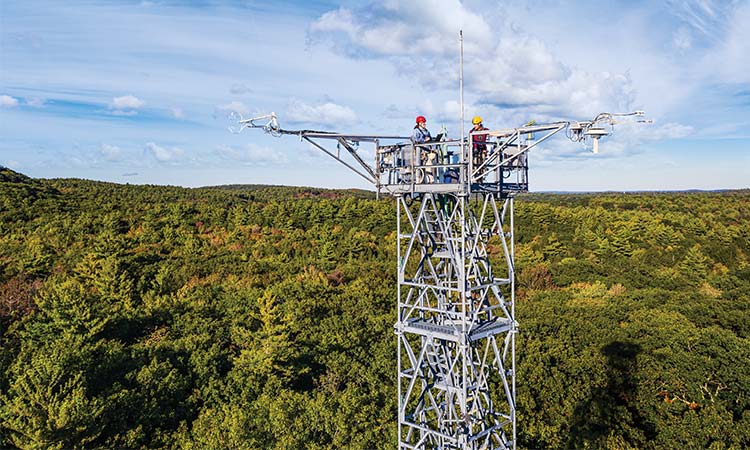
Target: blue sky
[[139, 91]]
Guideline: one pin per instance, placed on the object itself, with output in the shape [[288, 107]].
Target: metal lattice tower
[[456, 328], [456, 324]]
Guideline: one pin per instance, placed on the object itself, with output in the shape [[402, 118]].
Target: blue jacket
[[420, 136]]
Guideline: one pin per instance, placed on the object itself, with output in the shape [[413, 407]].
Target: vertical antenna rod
[[461, 79]]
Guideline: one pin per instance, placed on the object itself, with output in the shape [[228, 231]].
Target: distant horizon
[[561, 192]]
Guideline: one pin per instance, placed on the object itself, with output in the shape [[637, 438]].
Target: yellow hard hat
[[476, 120]]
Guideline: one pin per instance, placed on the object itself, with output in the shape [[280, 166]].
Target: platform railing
[[449, 167]]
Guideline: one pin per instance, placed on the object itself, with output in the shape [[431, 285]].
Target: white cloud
[[517, 70], [36, 102], [706, 16], [251, 154], [403, 28], [669, 130], [682, 39], [110, 152], [163, 154], [177, 113], [328, 113], [240, 89], [234, 106], [337, 20], [731, 60], [118, 112], [6, 101], [632, 138], [126, 102], [627, 139]]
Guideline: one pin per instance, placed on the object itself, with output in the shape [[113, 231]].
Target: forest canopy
[[262, 317]]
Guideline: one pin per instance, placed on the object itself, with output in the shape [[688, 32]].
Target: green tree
[[695, 264], [48, 404]]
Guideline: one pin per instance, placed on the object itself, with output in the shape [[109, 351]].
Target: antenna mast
[[461, 78]]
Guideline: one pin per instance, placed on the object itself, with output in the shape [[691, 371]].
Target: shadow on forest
[[609, 410]]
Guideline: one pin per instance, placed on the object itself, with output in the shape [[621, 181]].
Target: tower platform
[[448, 168]]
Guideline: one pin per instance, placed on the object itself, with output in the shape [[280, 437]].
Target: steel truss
[[456, 327]]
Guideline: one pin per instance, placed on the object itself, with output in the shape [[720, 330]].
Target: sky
[[140, 91]]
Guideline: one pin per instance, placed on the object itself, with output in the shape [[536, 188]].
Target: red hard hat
[[421, 119]]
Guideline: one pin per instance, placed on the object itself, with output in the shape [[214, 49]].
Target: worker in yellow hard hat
[[479, 142]]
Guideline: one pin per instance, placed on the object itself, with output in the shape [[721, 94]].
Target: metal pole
[[398, 314], [377, 169], [464, 344], [339, 160], [514, 328], [461, 90]]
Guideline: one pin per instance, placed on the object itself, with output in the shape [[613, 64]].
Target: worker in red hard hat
[[425, 154], [421, 134]]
